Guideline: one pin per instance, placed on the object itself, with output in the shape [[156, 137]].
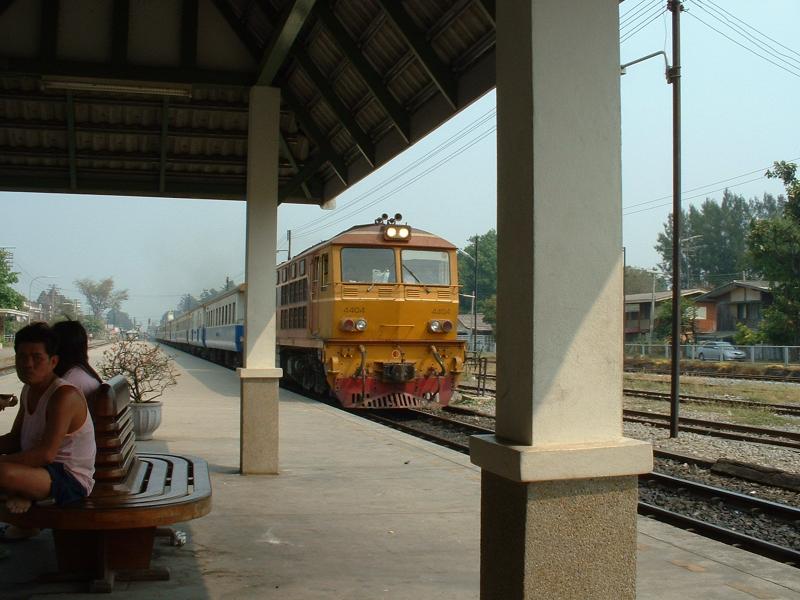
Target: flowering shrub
[[147, 368]]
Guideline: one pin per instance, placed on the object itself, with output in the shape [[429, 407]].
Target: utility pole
[[475, 302], [674, 78], [289, 237], [652, 309]]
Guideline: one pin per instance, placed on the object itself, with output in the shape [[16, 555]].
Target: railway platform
[[358, 512]]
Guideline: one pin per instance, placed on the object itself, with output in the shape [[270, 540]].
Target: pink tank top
[[77, 451]]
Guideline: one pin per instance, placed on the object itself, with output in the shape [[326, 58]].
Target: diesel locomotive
[[368, 316]]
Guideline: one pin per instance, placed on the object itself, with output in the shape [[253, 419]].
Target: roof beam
[[119, 33], [489, 8], [48, 31], [310, 127], [75, 68], [238, 27], [300, 178], [416, 40], [189, 34], [4, 4], [342, 113], [293, 19], [71, 143], [162, 163], [290, 157], [374, 82]]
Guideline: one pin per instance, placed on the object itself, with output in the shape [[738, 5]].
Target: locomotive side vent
[[412, 293], [350, 292], [385, 292], [443, 294]]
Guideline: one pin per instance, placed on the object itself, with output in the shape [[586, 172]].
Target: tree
[[206, 294], [487, 270], [663, 328], [187, 303], [640, 281], [101, 295], [119, 319], [489, 310], [9, 297], [715, 239], [774, 247]]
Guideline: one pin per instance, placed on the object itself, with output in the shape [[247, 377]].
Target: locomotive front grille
[[395, 400]]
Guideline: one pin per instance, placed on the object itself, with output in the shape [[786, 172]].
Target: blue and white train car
[[213, 330]]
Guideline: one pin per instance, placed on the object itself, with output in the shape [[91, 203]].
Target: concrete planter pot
[[146, 419]]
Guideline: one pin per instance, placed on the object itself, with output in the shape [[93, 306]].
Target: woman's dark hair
[[73, 348], [38, 333]]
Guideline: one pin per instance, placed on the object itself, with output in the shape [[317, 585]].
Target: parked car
[[719, 351]]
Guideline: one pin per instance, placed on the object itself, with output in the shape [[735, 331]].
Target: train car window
[[302, 267], [429, 267], [368, 265], [324, 269]]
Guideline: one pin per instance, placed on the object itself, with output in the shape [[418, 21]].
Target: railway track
[[728, 506], [731, 431], [783, 409], [715, 374]]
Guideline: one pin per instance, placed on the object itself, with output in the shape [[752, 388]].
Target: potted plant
[[149, 372]]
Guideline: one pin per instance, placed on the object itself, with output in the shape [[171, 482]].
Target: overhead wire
[[626, 36], [788, 69], [402, 186], [683, 199], [631, 21], [469, 128]]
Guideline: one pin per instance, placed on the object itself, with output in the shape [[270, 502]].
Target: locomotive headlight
[[435, 326], [447, 326], [391, 232], [403, 233], [347, 325], [361, 324]]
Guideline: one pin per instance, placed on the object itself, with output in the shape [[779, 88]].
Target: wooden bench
[[110, 534]]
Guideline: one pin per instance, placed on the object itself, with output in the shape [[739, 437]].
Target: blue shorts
[[64, 488]]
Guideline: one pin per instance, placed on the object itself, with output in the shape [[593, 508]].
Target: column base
[[558, 539], [258, 444]]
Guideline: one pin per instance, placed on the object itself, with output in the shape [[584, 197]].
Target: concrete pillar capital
[[274, 373], [551, 462]]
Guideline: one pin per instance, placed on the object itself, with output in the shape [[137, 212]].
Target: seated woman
[[73, 357], [73, 367]]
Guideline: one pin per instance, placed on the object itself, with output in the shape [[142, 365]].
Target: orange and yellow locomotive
[[371, 316]]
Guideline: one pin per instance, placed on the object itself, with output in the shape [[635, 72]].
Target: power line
[[625, 214], [430, 154], [644, 14], [788, 70], [624, 37], [754, 29], [739, 30], [404, 185], [631, 12]]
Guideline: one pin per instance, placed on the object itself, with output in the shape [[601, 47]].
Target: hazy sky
[[739, 115]]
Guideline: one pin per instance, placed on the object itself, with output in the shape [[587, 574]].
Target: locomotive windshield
[[425, 267], [368, 265]]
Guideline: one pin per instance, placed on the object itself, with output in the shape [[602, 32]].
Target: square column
[[259, 377], [559, 480]]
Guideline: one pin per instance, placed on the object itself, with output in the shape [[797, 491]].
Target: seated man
[[50, 450]]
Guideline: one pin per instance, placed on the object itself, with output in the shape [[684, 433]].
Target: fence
[[787, 355]]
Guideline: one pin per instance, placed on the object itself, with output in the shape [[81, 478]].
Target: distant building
[[738, 302], [638, 307], [485, 334]]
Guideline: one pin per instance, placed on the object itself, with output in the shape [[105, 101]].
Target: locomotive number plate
[[355, 309], [441, 311]]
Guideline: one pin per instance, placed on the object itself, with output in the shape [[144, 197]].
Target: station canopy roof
[[146, 97]]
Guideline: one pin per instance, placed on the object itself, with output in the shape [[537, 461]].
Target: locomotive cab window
[[426, 267], [368, 265]]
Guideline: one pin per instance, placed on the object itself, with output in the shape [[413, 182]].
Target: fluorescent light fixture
[[126, 87]]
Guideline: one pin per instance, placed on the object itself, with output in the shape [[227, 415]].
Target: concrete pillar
[[558, 511], [259, 377]]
